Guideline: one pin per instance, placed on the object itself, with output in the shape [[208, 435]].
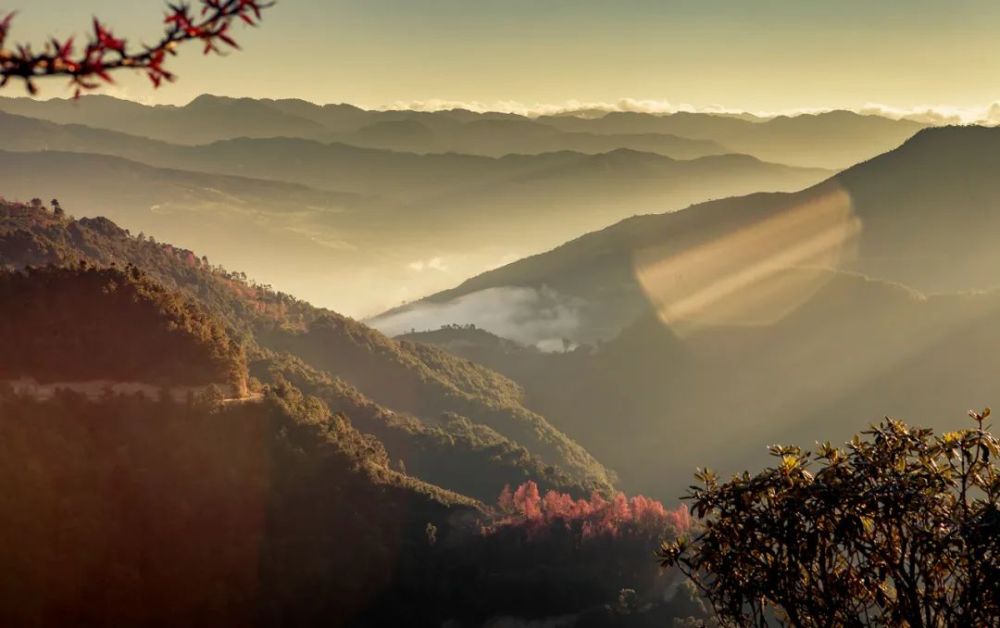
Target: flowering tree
[[527, 507], [103, 53], [900, 529]]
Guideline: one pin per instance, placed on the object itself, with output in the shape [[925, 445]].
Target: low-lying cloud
[[433, 263], [926, 114], [538, 317]]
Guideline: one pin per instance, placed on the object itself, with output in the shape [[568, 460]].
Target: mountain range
[[369, 215], [835, 139], [767, 318], [920, 215]]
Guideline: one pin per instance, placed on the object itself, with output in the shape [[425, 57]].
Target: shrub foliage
[[900, 528]]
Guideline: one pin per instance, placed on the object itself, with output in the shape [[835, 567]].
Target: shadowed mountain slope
[[343, 354], [656, 404]]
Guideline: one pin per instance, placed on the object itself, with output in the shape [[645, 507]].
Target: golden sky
[[759, 55]]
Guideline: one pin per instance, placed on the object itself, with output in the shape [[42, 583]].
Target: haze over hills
[[411, 223], [920, 215], [204, 119], [498, 137], [770, 318], [835, 139], [857, 350]]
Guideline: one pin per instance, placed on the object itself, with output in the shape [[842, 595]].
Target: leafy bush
[[900, 529]]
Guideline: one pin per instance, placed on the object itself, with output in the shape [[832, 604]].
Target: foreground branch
[[105, 53]]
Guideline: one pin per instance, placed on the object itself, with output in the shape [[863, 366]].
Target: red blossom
[[526, 507], [106, 53]]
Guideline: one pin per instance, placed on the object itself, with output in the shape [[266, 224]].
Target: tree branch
[[104, 53]]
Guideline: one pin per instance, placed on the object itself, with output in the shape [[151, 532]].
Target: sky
[[750, 55]]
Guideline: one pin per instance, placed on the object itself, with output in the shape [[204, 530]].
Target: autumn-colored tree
[[539, 514], [104, 52], [901, 528]]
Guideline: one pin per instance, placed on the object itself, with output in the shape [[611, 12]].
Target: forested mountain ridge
[[425, 384], [83, 324], [277, 510], [205, 515]]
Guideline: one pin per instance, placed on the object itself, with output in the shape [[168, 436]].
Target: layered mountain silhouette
[[369, 215], [834, 139], [656, 404], [205, 119], [921, 215]]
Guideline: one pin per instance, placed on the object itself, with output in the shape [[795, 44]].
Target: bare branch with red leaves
[[104, 53]]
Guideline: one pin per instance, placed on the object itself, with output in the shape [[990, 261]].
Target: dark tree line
[[81, 323]]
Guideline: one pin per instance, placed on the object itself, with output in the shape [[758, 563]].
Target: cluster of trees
[[79, 324], [428, 382], [455, 453], [526, 506], [272, 513], [129, 511], [39, 240], [455, 326]]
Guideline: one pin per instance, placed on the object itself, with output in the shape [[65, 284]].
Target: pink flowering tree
[[594, 517], [86, 65]]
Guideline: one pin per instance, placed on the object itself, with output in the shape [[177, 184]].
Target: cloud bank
[[927, 114], [538, 317]]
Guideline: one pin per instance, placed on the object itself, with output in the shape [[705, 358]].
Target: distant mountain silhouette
[[205, 119], [923, 215], [384, 210], [835, 139], [831, 140], [499, 137]]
